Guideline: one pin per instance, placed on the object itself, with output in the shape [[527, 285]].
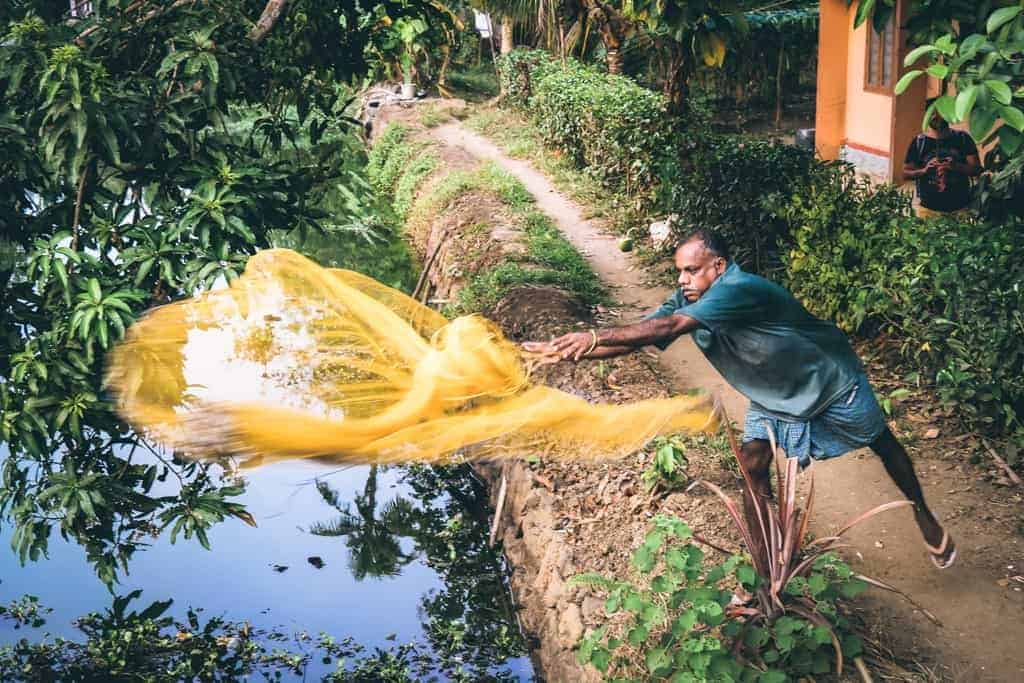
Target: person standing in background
[[942, 162]]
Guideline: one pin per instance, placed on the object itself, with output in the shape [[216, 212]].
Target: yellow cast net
[[294, 360]]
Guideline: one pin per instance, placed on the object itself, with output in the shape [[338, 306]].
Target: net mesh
[[294, 360]]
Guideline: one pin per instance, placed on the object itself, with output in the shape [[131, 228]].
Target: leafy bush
[[842, 233], [668, 465], [520, 70], [950, 293], [685, 625], [731, 184], [609, 125]]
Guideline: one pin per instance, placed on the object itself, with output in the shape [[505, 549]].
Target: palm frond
[[329, 495], [345, 525]]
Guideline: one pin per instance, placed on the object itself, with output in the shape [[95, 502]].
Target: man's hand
[[546, 353], [573, 345]]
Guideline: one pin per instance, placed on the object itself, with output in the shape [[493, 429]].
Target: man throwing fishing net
[[806, 385]]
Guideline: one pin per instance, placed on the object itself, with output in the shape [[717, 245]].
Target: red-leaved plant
[[780, 550]]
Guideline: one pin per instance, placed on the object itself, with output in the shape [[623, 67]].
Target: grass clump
[[396, 165], [550, 260], [383, 149], [488, 177], [434, 115], [405, 188]]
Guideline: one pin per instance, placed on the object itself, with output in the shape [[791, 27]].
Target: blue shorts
[[854, 421]]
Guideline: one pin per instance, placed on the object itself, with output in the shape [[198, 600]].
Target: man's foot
[[944, 555]]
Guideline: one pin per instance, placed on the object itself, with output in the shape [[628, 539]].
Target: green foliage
[[384, 147], [976, 48], [773, 60], [390, 157], [414, 174], [549, 261], [732, 185], [25, 611], [668, 465], [146, 155], [474, 82], [519, 73], [150, 645], [488, 177], [842, 234], [949, 293], [434, 115], [606, 124], [683, 624]]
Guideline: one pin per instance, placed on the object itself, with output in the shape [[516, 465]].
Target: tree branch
[[268, 18], [271, 13], [78, 207]]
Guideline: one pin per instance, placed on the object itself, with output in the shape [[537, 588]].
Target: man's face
[[698, 268], [937, 123]]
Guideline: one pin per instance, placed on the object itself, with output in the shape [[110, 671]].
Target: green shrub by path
[[733, 185], [609, 125], [949, 293], [680, 623], [520, 70]]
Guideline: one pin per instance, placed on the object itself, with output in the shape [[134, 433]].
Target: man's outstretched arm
[[616, 341]]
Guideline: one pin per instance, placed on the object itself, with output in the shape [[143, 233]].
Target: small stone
[[593, 609], [570, 626], [553, 592], [932, 433], [879, 544]]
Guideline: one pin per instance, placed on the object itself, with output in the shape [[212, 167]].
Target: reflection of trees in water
[[471, 619], [373, 541]]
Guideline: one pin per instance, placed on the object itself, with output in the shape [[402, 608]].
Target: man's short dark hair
[[712, 241]]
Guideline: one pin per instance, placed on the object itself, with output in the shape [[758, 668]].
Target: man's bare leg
[[756, 458], [901, 469]]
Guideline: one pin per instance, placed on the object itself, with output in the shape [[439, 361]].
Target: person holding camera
[[942, 161]]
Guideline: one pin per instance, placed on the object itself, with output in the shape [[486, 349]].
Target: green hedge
[[949, 293], [605, 124], [733, 185], [519, 70]]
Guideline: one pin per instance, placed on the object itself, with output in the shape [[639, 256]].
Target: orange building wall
[[830, 112], [868, 114]]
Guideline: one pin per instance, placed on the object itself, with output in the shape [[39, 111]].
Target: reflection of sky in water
[[236, 578], [216, 371]]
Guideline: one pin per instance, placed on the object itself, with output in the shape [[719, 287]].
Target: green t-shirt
[[767, 346]]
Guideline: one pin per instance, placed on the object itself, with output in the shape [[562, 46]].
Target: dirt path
[[983, 616]]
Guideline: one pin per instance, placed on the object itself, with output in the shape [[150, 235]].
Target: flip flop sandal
[[938, 553]]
